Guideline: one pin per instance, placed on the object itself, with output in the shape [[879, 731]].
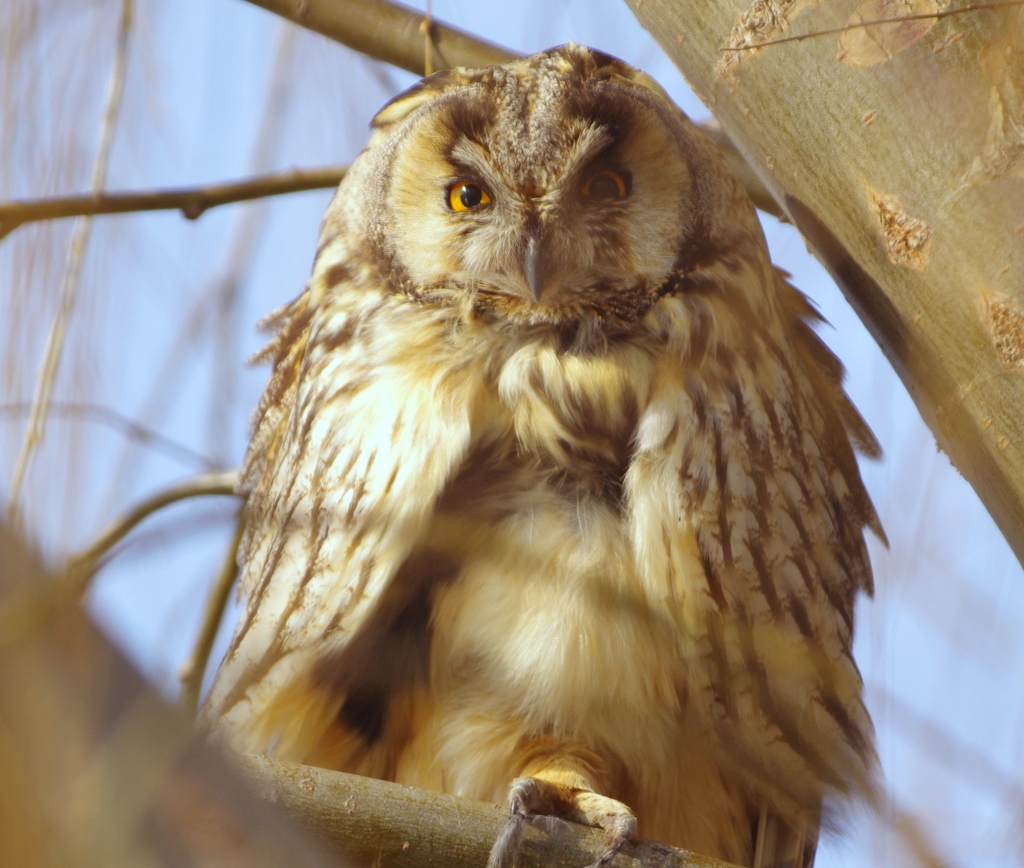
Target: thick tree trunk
[[898, 151]]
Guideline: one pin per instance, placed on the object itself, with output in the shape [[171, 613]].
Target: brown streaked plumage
[[553, 481]]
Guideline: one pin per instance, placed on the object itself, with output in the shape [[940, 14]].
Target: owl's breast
[[547, 616], [548, 620]]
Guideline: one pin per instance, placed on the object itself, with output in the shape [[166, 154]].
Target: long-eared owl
[[552, 495]]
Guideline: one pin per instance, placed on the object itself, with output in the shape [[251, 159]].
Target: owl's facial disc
[[538, 207]]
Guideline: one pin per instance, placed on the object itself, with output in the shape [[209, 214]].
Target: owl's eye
[[463, 196], [605, 185]]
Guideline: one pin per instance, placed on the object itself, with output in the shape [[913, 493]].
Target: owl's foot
[[545, 802]]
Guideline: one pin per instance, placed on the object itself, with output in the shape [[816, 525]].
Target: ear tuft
[[598, 66], [429, 88]]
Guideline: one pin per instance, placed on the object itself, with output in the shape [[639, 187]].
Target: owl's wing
[[357, 432], [748, 512]]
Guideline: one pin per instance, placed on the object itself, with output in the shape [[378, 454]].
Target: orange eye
[[605, 185], [465, 197]]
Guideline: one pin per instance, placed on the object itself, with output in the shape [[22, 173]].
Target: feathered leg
[[562, 786]]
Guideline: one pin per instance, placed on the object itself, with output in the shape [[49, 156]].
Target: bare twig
[[860, 25], [192, 671], [191, 201], [81, 566], [76, 252], [129, 427]]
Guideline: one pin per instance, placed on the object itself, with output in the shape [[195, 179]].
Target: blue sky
[[218, 89]]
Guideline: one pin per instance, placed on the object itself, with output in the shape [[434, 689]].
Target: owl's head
[[558, 188]]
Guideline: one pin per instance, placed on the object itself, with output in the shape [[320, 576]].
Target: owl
[[552, 498]]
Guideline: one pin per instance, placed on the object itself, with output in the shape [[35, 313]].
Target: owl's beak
[[535, 266]]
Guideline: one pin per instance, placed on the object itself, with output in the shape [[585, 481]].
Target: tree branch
[[97, 770], [372, 822], [191, 201], [23, 613]]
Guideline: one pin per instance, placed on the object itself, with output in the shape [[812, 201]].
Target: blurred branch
[[191, 201], [192, 671], [73, 270], [392, 33], [82, 565], [97, 770], [129, 427], [374, 822], [909, 829]]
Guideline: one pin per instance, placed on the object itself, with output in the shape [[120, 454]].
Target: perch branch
[[371, 822], [191, 201]]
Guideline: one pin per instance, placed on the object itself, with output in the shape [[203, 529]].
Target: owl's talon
[[538, 802], [622, 830], [524, 799]]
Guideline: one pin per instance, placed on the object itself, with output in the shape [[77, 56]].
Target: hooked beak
[[535, 265]]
